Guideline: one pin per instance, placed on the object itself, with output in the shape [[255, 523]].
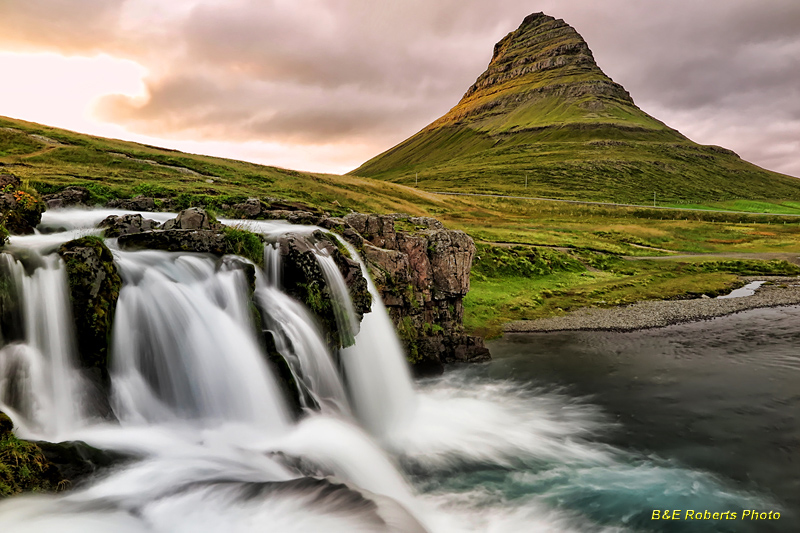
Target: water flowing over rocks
[[422, 273], [303, 278], [420, 268]]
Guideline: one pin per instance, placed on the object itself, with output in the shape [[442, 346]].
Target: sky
[[324, 85]]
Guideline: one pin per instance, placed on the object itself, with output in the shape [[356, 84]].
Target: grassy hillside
[[544, 112], [51, 158]]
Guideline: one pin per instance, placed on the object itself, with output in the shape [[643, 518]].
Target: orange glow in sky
[[61, 91]]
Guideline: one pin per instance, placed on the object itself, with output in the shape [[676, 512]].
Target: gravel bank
[[654, 314]]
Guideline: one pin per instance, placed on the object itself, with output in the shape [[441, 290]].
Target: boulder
[[8, 179], [69, 197], [250, 208], [94, 285], [193, 218], [177, 240], [116, 226], [20, 211], [137, 203], [376, 229]]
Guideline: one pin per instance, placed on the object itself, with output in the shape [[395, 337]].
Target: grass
[[118, 169], [524, 283]]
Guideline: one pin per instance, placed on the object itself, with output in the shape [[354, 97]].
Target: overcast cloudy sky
[[324, 85]]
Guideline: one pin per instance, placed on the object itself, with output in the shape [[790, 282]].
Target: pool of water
[[720, 397]]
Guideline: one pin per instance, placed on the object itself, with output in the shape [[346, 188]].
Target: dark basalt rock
[[38, 466], [177, 240], [69, 197], [116, 226], [8, 179], [94, 285], [75, 461], [11, 328], [137, 203]]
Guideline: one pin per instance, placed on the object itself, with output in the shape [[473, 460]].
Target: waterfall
[[375, 368], [38, 379], [184, 346], [299, 341], [272, 264]]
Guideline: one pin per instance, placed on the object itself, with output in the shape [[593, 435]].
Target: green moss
[[23, 466], [244, 243], [336, 242], [94, 290]]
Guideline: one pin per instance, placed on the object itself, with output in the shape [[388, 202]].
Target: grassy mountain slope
[[544, 109], [51, 158]]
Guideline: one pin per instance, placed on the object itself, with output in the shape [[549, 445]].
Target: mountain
[[543, 111]]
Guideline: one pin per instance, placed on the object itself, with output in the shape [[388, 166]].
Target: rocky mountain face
[[422, 271], [543, 119], [544, 58]]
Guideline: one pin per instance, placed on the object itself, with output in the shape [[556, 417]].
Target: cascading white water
[[184, 346], [272, 264], [299, 341], [378, 377], [47, 390]]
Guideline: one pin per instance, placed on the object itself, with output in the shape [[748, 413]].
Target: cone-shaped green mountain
[[544, 109]]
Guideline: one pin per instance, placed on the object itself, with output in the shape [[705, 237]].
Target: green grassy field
[[524, 283]]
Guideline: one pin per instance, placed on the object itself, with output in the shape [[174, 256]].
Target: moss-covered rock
[[23, 466], [21, 208], [94, 285], [46, 466], [10, 306]]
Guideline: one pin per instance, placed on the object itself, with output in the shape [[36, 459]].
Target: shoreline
[[782, 291]]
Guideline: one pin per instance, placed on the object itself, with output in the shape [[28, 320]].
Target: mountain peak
[[544, 58]]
